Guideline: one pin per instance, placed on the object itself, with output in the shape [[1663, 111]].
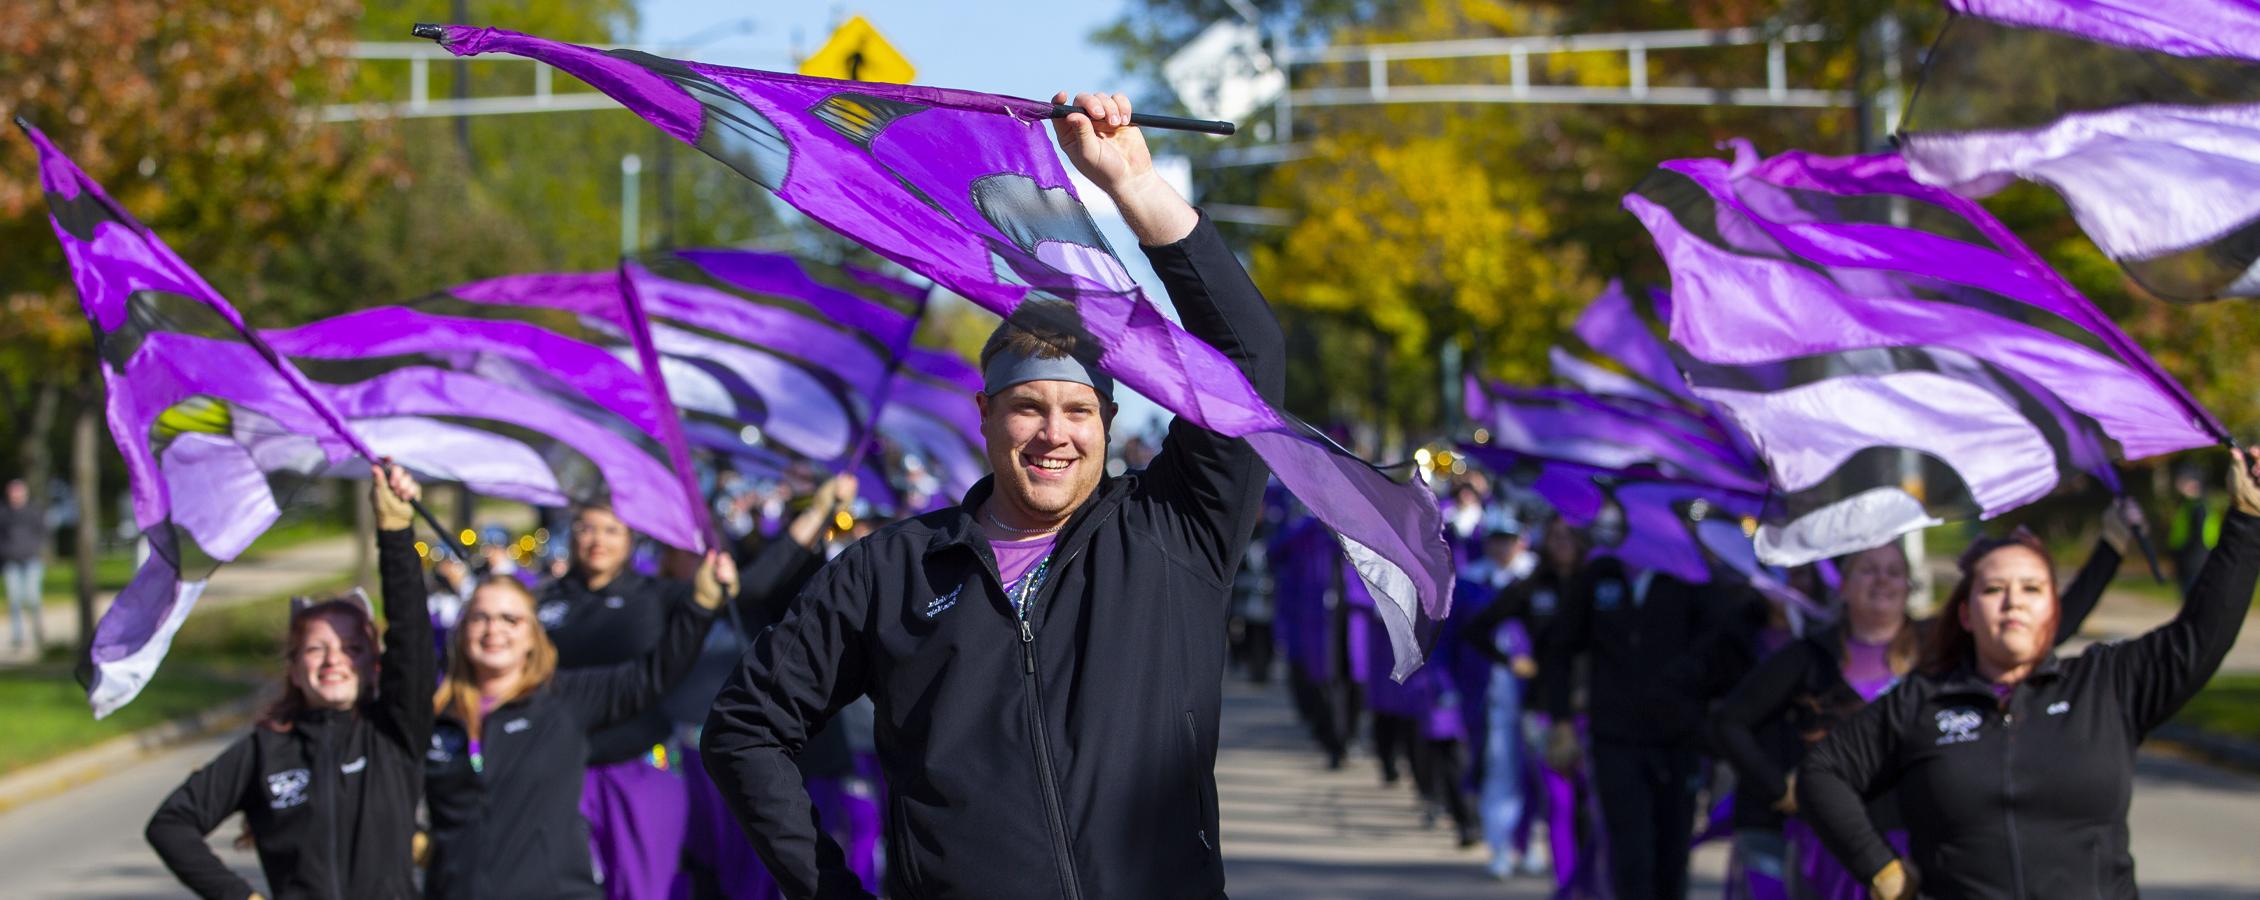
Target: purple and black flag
[[930, 414], [1622, 434], [1897, 356], [2144, 115], [965, 188], [542, 404], [218, 433]]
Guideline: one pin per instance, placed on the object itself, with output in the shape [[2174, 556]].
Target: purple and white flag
[[1619, 434], [2145, 116], [1895, 354], [965, 188], [531, 403], [218, 432]]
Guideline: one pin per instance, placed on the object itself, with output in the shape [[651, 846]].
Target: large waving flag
[[217, 431], [2144, 115], [1896, 355], [538, 404], [931, 414], [1607, 433], [965, 188]]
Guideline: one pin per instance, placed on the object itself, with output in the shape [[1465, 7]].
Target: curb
[[2241, 755], [43, 780]]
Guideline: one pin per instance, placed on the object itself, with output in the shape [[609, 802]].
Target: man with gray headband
[[1046, 657]]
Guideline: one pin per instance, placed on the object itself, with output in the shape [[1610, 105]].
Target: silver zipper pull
[[1027, 635]]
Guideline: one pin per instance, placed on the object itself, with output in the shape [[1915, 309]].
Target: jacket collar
[[960, 527], [1966, 680]]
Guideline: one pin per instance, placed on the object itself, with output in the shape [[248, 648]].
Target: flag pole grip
[[1151, 120]]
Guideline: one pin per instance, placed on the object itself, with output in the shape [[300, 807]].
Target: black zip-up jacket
[[626, 620], [332, 801], [1073, 760], [2026, 798], [1800, 693], [594, 628], [514, 828], [1634, 647]]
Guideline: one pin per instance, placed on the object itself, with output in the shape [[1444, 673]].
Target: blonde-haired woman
[[327, 779], [503, 775]]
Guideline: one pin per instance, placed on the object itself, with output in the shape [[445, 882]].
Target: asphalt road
[[1291, 830]]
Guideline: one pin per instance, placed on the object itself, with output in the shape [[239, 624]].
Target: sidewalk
[[281, 572], [2125, 614]]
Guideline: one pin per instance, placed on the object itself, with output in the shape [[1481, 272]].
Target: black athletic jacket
[[1801, 691], [1076, 760], [2030, 799], [331, 802], [627, 619], [1634, 647], [514, 829]]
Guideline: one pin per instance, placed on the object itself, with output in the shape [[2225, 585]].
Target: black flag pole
[[2142, 540], [430, 31], [1151, 120]]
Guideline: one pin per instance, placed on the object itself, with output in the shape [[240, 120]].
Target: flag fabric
[[218, 433], [966, 189], [1894, 353], [1620, 434], [2144, 116], [542, 405], [931, 415]]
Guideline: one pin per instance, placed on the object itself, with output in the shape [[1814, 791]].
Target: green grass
[[112, 570], [48, 717], [2229, 706], [219, 655]]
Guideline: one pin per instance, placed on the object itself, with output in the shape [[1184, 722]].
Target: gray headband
[[1008, 368]]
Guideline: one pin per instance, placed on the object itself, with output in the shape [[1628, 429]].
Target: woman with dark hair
[[327, 779], [2014, 768], [1795, 697], [504, 770]]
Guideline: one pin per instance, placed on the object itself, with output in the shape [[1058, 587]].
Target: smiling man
[[1047, 656]]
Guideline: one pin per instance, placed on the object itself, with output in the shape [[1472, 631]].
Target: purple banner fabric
[[191, 394], [1615, 329], [1609, 433], [2144, 117], [967, 189], [431, 382], [2179, 27], [1866, 357]]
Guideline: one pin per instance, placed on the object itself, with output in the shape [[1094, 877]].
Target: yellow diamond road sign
[[858, 53]]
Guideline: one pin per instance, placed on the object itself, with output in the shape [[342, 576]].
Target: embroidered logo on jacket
[[942, 604], [354, 766], [551, 614], [1608, 595], [1958, 726], [287, 788], [516, 725], [2059, 707]]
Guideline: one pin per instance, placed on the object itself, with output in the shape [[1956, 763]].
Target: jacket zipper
[[337, 794], [2008, 799], [1047, 780]]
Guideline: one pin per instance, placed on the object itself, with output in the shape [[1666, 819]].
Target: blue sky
[[1023, 47]]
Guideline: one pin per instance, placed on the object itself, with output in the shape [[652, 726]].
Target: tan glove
[[1524, 667], [1561, 747], [2120, 522], [393, 492], [1895, 882], [2244, 481], [717, 580], [1787, 805]]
